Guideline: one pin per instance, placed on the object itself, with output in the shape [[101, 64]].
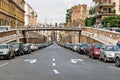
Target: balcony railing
[[106, 4], [104, 13]]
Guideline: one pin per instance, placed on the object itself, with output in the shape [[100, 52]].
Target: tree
[[89, 21], [113, 21], [92, 11]]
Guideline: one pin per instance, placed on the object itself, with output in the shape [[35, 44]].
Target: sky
[[52, 11]]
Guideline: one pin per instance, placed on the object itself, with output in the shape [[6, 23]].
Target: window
[[109, 1]]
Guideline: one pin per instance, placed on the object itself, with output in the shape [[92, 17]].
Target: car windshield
[[15, 45], [112, 48], [97, 46], [76, 44], [3, 46], [26, 46], [84, 45]]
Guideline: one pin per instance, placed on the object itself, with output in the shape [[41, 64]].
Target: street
[[57, 63]]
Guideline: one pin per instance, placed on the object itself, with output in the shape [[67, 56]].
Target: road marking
[[53, 59], [54, 64], [4, 64], [76, 60], [31, 60], [115, 68], [56, 71]]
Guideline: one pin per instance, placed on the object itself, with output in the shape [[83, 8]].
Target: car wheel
[[8, 57], [23, 53], [92, 56], [19, 54], [100, 59], [89, 56], [105, 59], [30, 52], [13, 56], [85, 53], [117, 62]]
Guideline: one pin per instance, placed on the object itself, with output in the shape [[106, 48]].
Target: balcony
[[107, 14], [104, 14], [106, 4]]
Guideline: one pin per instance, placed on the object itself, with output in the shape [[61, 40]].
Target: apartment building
[[105, 8], [78, 15], [12, 13], [30, 16]]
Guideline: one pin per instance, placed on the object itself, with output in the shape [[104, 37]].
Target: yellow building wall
[[11, 14]]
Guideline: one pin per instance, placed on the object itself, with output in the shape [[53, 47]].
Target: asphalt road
[[57, 63]]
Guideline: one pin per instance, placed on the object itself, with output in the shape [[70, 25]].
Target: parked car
[[71, 46], [94, 50], [83, 48], [34, 47], [67, 45], [76, 46], [107, 52], [39, 46], [7, 51], [117, 59], [60, 44], [27, 48], [45, 45], [18, 48]]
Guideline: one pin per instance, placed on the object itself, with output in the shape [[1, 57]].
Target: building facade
[[30, 16], [12, 13], [78, 15], [104, 8]]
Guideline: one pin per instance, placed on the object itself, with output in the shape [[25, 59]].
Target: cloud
[[53, 10]]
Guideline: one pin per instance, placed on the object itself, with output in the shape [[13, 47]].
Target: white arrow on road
[[31, 60], [76, 60]]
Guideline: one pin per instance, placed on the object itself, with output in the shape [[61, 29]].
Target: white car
[[76, 46], [107, 52], [34, 47], [7, 51]]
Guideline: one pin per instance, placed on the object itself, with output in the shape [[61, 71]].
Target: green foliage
[[91, 11], [111, 21], [89, 21], [68, 15]]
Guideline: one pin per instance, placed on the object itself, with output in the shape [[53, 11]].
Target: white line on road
[[76, 60], [54, 64], [53, 59], [73, 61], [4, 64], [34, 61], [56, 71], [114, 68], [31, 60]]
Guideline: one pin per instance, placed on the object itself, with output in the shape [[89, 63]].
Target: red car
[[94, 50]]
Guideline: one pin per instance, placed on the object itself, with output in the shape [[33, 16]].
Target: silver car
[[117, 59], [107, 52], [7, 51], [34, 47]]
